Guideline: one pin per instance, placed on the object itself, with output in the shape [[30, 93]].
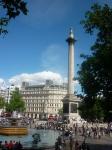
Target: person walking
[[76, 145], [84, 146]]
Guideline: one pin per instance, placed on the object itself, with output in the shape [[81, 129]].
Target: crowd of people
[[68, 134], [76, 145], [92, 130], [4, 121], [86, 130], [11, 145]]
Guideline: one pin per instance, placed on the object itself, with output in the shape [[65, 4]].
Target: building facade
[[6, 93], [41, 101]]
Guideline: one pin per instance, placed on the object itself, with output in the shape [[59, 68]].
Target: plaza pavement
[[105, 143]]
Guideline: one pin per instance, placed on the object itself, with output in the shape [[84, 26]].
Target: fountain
[[47, 138], [36, 139], [13, 126]]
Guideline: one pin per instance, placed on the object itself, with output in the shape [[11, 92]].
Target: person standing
[[71, 142], [20, 146], [10, 145], [6, 145]]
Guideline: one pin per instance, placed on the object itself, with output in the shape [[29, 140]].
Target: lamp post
[[8, 94], [43, 108]]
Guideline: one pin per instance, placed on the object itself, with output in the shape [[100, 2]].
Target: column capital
[[70, 38]]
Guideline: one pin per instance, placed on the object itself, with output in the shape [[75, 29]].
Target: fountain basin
[[13, 126], [48, 138], [13, 131]]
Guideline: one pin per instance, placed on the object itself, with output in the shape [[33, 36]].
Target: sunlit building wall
[[43, 100]]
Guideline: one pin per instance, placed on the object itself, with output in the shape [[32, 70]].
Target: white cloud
[[36, 78], [40, 78], [2, 83], [76, 82]]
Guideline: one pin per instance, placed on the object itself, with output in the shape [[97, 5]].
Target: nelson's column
[[71, 102]]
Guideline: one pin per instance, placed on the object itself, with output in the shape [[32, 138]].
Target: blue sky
[[36, 42]]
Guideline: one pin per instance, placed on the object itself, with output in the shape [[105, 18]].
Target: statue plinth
[[70, 107]]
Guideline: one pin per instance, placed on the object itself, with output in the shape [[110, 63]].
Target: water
[[48, 138]]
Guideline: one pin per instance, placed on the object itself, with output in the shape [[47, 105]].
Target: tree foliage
[[60, 111], [2, 102], [10, 9], [95, 74], [16, 103]]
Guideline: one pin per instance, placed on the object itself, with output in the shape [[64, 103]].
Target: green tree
[[10, 9], [2, 102], [95, 74], [16, 103], [98, 110], [60, 111]]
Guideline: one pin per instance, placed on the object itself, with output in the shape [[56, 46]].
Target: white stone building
[[2, 93], [43, 100], [6, 92]]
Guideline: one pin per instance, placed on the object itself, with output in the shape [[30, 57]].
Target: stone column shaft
[[70, 40], [71, 69]]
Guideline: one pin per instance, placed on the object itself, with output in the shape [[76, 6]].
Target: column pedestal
[[70, 108]]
